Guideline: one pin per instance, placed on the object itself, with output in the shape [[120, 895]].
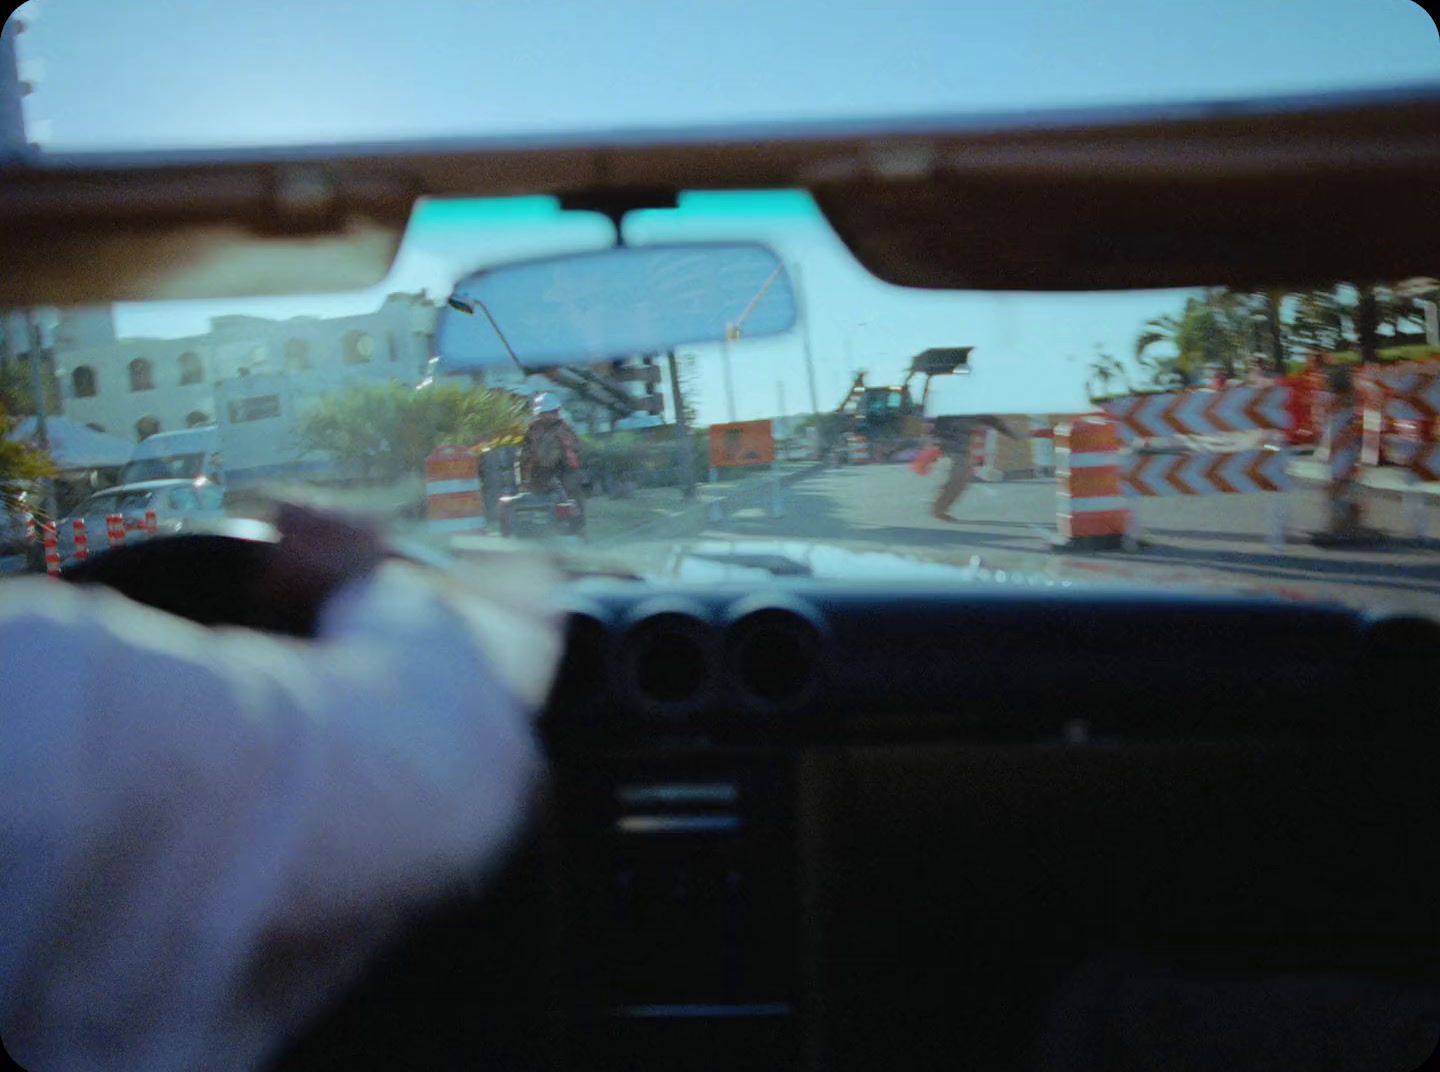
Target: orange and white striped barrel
[[857, 450], [453, 501], [115, 529], [152, 523], [82, 542], [52, 548], [1091, 507]]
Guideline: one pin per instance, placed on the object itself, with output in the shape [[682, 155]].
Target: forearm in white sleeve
[[175, 797]]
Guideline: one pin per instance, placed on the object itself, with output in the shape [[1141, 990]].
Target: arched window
[[145, 427], [83, 382], [95, 427], [142, 376], [191, 370], [357, 348], [297, 355], [196, 418]]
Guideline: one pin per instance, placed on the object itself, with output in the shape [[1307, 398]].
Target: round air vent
[[774, 657], [668, 665]]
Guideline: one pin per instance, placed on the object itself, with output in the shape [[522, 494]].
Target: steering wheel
[[217, 577]]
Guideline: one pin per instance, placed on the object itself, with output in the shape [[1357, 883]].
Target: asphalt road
[[1219, 539]]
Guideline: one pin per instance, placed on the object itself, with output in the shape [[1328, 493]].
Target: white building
[[137, 387]]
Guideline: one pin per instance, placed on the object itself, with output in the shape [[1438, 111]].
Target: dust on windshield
[[1271, 441]]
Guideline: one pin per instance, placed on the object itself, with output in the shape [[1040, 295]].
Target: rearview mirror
[[590, 307]]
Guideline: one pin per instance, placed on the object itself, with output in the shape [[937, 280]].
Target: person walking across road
[[952, 435]]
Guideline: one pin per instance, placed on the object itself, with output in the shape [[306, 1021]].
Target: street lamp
[[468, 307]]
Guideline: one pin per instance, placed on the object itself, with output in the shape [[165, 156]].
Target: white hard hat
[[546, 402]]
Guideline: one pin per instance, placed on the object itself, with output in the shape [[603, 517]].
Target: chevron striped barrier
[[1401, 414], [1242, 472], [1235, 409]]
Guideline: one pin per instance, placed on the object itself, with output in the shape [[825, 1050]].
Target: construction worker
[[550, 450], [952, 436]]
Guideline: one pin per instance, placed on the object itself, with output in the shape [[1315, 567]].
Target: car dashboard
[[844, 826]]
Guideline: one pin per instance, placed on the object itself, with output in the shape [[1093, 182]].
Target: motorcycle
[[536, 513]]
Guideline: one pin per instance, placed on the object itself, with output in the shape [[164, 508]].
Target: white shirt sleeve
[[177, 803]]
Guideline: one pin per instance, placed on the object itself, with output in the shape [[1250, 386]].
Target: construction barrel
[[1092, 512], [454, 503]]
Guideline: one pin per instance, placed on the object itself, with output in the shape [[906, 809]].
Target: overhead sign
[[1236, 409], [1236, 473], [741, 443]]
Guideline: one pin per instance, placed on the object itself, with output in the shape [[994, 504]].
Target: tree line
[[1269, 330]]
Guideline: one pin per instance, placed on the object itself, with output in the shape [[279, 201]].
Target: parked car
[[179, 505]]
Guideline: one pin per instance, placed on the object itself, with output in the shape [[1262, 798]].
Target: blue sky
[[172, 73]]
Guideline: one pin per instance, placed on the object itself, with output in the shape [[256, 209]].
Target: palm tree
[[1160, 329], [1106, 369], [1319, 322]]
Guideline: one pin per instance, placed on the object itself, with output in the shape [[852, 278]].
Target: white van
[[185, 454]]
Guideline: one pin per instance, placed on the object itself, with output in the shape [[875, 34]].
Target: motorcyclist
[[550, 450]]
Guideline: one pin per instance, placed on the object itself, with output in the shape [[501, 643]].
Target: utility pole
[[682, 433]]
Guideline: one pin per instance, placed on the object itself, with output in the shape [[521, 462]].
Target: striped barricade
[[453, 500], [51, 541], [1241, 472], [1401, 411], [1191, 413], [857, 450], [82, 541], [115, 529]]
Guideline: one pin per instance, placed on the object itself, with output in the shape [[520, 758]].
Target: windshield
[[1179, 437]]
